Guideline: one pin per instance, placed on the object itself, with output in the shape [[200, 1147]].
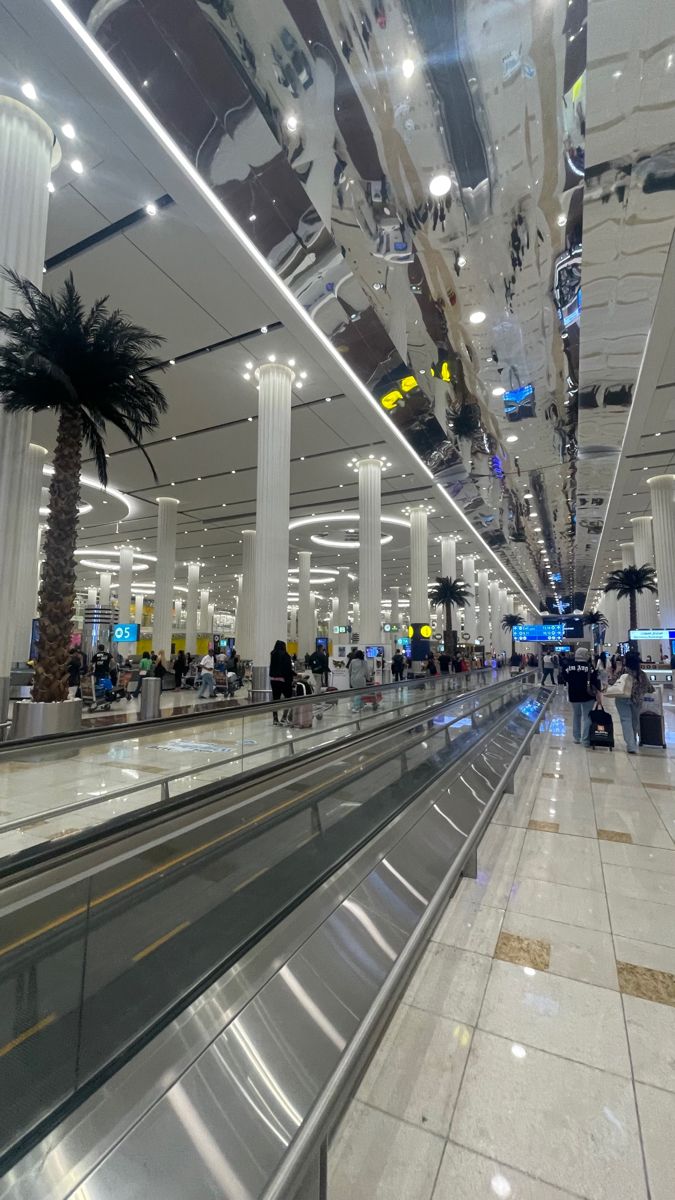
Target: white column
[[246, 606], [92, 597], [28, 523], [419, 565], [25, 163], [177, 612], [623, 606], [663, 527], [343, 596], [139, 599], [272, 511], [503, 611], [335, 608], [495, 616], [468, 575], [293, 623], [395, 593], [609, 609], [105, 581], [203, 619], [165, 572], [483, 606], [448, 557], [356, 623], [648, 617], [211, 612], [124, 585], [370, 549], [191, 608], [305, 605]]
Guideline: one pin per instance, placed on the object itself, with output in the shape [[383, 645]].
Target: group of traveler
[[586, 682]]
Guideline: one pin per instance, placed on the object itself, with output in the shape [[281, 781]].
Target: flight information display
[[539, 633]]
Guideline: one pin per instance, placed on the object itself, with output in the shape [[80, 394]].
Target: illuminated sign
[[342, 629], [652, 635], [538, 633], [518, 395], [387, 628], [126, 633]]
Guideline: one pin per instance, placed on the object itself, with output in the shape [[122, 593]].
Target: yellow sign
[[408, 383], [391, 399], [425, 631], [410, 631]]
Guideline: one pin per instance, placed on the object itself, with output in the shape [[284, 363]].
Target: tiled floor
[[533, 1054]]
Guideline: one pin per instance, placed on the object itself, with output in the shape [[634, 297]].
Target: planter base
[[31, 719]]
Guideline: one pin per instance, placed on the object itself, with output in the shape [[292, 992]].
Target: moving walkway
[[190, 995]]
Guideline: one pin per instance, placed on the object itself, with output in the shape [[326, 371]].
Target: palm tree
[[448, 594], [632, 582], [510, 622], [90, 369], [597, 622]]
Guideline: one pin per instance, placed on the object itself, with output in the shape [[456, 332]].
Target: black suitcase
[[602, 728], [652, 732]]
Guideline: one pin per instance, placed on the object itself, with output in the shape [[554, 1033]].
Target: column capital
[[167, 500], [661, 481], [644, 517], [275, 370]]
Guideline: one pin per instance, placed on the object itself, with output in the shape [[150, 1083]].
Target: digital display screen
[[538, 633], [125, 633], [374, 651]]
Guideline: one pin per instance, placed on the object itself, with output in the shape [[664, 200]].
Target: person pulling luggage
[[628, 694], [583, 690]]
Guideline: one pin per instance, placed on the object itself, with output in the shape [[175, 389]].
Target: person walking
[[583, 689], [74, 673], [281, 680], [207, 686], [318, 665], [628, 706], [432, 669], [179, 669], [397, 666], [160, 668], [444, 662], [548, 668], [360, 675]]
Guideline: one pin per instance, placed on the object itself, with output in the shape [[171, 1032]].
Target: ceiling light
[[249, 366], [477, 317], [498, 391], [263, 329], [657, 435], [172, 362], [440, 185], [328, 399], [28, 90], [68, 130], [77, 166], [252, 217], [461, 261], [246, 375], [617, 74], [291, 362], [562, 219], [271, 358], [291, 123], [50, 186], [303, 374], [249, 418], [408, 67], [527, 496], [513, 437], [298, 383], [151, 210]]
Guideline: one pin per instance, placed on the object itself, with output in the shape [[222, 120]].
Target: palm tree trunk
[[56, 603], [447, 633], [632, 607]]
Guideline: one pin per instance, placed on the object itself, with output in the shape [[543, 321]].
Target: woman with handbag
[[628, 690]]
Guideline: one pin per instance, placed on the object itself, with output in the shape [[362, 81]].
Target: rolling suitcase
[[303, 715], [602, 728], [652, 728]]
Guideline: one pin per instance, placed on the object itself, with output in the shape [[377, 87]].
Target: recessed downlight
[[440, 184], [77, 167], [408, 67], [291, 123], [151, 210], [28, 90], [498, 391], [513, 437], [477, 317]]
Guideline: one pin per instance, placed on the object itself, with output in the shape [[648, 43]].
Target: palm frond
[[449, 591], [511, 621], [631, 581]]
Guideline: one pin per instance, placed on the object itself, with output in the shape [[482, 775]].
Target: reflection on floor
[[533, 1055]]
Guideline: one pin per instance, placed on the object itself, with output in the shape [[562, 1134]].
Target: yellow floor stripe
[[160, 941], [27, 1033]]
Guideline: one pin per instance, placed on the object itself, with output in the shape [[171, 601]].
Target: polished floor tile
[[469, 926], [559, 858], [563, 1016], [514, 810], [651, 1036], [571, 1125], [465, 1175], [645, 858], [584, 954], [526, 952], [418, 1068], [645, 954], [657, 1124], [498, 856], [381, 1158], [449, 982], [642, 919], [571, 905], [646, 983], [639, 883], [643, 824], [576, 819]]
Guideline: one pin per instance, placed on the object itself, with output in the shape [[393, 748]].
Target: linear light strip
[[121, 83]]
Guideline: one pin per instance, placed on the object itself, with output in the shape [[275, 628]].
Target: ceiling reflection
[[417, 174]]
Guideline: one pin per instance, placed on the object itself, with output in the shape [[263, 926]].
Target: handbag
[[623, 686]]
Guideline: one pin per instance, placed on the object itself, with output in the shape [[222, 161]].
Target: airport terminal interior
[[337, 718]]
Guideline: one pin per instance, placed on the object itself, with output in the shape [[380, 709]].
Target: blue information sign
[[126, 633], [538, 633]]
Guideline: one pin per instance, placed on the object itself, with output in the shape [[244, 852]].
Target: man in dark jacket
[[318, 665], [583, 687]]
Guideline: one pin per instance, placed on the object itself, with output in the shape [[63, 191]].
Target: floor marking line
[[27, 1033], [160, 941]]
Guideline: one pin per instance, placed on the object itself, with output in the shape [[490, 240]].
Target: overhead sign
[[126, 633], [392, 628], [538, 633], [342, 629], [652, 635]]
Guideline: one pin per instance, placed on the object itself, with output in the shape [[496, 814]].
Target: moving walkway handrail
[[311, 1142], [318, 700], [239, 710], [43, 853]]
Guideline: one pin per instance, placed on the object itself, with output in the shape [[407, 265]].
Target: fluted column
[[495, 616], [165, 572], [483, 607], [192, 608], [504, 609], [370, 549], [395, 593], [356, 623], [124, 585], [272, 508], [343, 596], [610, 611], [448, 557], [139, 600], [92, 597], [623, 606], [246, 606], [305, 605], [419, 565], [334, 610], [203, 617], [178, 612], [28, 523], [105, 582], [663, 527], [468, 575], [25, 163], [648, 617]]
